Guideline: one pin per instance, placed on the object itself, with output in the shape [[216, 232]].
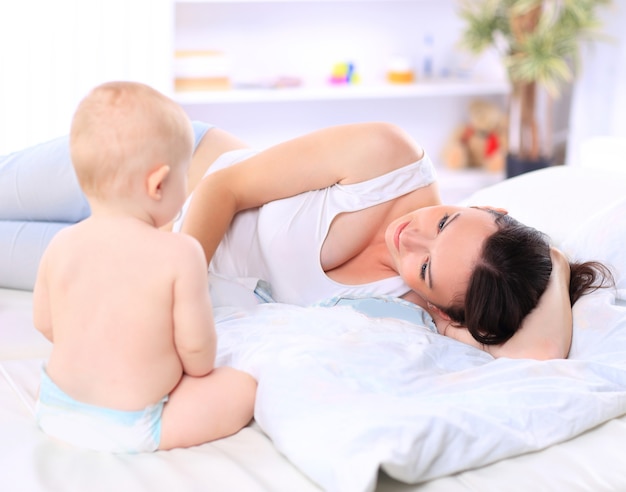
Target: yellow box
[[198, 70]]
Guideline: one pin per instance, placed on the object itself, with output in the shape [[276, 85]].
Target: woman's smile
[[434, 249], [396, 237]]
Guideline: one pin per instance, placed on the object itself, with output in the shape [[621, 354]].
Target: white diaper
[[97, 428]]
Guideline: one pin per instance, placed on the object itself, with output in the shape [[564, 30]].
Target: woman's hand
[[461, 334], [546, 332]]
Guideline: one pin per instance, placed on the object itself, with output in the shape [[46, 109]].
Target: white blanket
[[342, 394]]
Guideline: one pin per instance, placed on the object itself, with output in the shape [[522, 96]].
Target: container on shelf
[[201, 70], [400, 70]]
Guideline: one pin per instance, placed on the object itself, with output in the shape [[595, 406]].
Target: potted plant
[[539, 43]]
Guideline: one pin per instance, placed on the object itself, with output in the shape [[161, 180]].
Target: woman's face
[[434, 249]]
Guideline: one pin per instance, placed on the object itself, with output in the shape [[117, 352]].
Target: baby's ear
[[155, 179]]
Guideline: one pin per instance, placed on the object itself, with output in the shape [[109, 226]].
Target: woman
[[355, 210], [362, 202]]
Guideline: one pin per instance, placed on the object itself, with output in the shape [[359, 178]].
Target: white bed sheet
[[333, 398], [248, 461], [30, 461]]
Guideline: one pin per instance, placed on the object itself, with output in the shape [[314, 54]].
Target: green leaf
[[544, 55]]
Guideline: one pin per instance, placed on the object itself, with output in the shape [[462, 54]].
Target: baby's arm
[[546, 333], [194, 329], [41, 301]]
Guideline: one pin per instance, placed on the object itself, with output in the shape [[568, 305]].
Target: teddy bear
[[481, 143]]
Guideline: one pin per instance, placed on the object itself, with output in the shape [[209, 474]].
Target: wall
[[53, 52], [599, 97], [265, 40]]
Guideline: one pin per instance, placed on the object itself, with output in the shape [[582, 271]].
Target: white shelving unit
[[266, 39], [297, 1], [442, 88]]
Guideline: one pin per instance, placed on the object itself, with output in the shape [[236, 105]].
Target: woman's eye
[[443, 221], [423, 271]]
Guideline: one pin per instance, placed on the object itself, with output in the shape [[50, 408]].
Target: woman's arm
[[342, 154], [546, 332]]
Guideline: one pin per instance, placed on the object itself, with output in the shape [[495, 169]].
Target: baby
[[126, 304]]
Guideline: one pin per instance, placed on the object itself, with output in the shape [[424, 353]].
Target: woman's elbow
[[546, 350], [549, 351], [538, 350]]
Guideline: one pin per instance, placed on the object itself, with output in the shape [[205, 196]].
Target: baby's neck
[[119, 209]]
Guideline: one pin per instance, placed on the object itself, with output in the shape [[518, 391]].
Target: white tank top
[[281, 241]]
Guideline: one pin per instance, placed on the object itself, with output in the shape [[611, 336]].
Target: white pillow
[[602, 238], [554, 200]]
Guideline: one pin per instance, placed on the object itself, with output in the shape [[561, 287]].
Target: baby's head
[[130, 142]]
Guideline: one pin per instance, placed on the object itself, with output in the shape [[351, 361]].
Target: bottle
[[427, 68]]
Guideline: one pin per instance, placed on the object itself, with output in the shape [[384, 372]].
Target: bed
[[355, 402]]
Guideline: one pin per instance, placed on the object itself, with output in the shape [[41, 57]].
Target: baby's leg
[[202, 409]]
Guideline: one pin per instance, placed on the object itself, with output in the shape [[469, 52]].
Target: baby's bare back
[[111, 287]]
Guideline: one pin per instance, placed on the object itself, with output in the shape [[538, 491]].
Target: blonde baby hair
[[121, 131]]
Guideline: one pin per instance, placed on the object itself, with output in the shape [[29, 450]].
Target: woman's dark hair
[[587, 277], [511, 275]]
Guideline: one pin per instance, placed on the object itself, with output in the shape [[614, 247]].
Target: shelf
[[293, 1], [443, 88]]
